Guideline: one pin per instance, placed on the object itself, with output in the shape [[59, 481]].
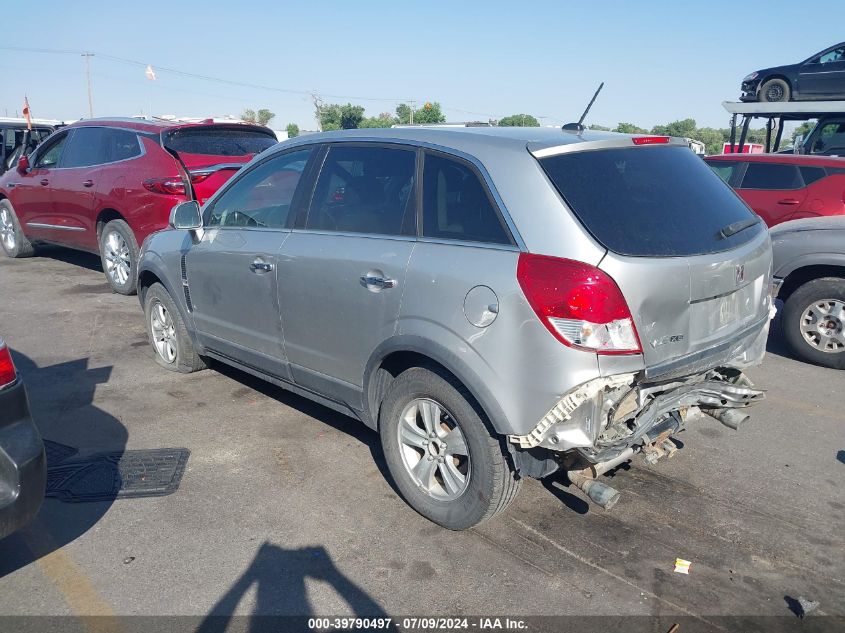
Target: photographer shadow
[[281, 602], [61, 398]]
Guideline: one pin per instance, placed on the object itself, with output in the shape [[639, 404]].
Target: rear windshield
[[650, 201], [219, 142]]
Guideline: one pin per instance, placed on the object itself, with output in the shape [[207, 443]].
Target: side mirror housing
[[23, 164], [186, 216]]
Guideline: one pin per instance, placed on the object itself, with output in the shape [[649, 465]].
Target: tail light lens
[[199, 177], [579, 304], [168, 186], [7, 367]]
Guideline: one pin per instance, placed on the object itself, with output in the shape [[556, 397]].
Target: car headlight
[[750, 77]]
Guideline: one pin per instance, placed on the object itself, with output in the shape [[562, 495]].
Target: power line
[[230, 82]]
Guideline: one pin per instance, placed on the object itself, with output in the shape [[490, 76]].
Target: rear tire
[[431, 432], [806, 311], [119, 255], [174, 350], [774, 91], [12, 239]]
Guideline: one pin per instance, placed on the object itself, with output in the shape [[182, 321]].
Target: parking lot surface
[[284, 507]]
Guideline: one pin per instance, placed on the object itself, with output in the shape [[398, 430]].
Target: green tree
[[629, 128], [598, 128], [683, 128], [519, 120], [293, 130], [334, 116], [262, 117], [430, 112], [804, 129], [385, 119]]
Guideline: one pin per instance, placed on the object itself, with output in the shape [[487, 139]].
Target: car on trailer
[[819, 77], [103, 185]]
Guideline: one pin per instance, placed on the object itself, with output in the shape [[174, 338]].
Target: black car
[[23, 466], [14, 140], [822, 76]]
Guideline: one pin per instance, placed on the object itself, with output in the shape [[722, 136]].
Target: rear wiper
[[736, 227]]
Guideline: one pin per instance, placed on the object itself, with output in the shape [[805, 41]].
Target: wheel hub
[[434, 450], [823, 325]]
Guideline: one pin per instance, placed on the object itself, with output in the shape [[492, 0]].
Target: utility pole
[[413, 103], [88, 57]]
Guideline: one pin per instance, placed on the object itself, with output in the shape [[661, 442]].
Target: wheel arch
[[407, 351], [151, 272], [104, 217], [777, 76], [809, 271]]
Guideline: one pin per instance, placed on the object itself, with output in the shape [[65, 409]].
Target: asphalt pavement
[[284, 507]]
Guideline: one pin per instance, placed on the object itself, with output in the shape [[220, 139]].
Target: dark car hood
[[829, 223], [777, 70]]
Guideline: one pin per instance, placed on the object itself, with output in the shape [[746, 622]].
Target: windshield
[[219, 141], [655, 201]]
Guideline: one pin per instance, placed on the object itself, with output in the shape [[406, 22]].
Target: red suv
[[103, 185], [781, 187]]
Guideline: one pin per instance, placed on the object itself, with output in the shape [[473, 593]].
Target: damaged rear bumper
[[606, 417]]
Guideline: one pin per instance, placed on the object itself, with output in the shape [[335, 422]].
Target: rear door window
[[213, 141], [771, 176], [456, 205], [365, 189], [120, 145], [650, 201]]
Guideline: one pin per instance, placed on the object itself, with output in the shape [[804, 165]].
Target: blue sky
[[660, 61]]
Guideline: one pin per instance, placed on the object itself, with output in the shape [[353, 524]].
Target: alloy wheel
[[7, 229], [823, 325], [434, 450], [164, 333], [117, 258]]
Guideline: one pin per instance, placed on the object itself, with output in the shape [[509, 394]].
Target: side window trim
[[482, 176], [295, 201]]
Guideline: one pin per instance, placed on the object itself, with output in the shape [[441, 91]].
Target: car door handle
[[259, 266], [789, 201], [45, 182], [88, 183], [375, 281]]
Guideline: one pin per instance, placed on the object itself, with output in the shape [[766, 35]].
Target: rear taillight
[[578, 303], [650, 140], [7, 367], [169, 186]]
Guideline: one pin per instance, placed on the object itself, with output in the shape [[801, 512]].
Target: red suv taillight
[[169, 186], [579, 304], [7, 367]]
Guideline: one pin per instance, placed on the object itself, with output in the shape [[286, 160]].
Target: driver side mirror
[[23, 164], [186, 216]]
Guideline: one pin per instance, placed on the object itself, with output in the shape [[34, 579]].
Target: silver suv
[[498, 303]]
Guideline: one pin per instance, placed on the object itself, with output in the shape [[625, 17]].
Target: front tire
[[173, 347], [441, 454], [774, 91], [119, 255], [12, 239], [814, 322]]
